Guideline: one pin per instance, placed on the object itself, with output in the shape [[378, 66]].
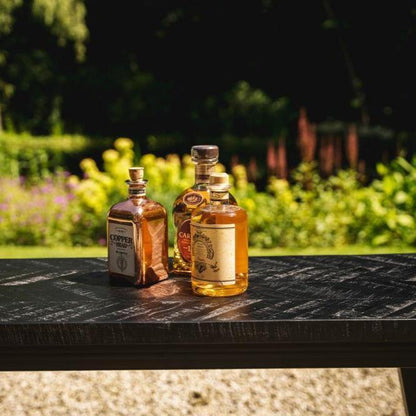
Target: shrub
[[37, 157], [167, 177], [37, 215], [308, 211]]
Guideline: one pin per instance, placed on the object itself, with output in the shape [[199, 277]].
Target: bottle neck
[[137, 191], [202, 172], [219, 197]]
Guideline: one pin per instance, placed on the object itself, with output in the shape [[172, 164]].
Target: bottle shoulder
[[190, 199], [186, 201], [135, 208], [231, 211], [122, 206], [193, 189]]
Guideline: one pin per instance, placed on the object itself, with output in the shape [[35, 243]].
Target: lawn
[[97, 251]]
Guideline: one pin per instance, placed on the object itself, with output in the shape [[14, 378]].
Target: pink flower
[[60, 200]]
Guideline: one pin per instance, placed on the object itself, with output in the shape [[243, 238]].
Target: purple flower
[[60, 200], [102, 241], [46, 188]]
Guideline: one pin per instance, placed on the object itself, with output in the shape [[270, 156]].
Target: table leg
[[408, 382]]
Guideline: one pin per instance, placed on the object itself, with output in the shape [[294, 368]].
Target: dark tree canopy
[[167, 68]]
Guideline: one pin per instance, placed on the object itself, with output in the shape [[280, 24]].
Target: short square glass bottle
[[137, 236], [219, 240]]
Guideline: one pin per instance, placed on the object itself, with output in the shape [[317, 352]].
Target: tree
[[251, 112], [64, 20]]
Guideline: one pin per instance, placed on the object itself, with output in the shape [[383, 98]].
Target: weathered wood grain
[[290, 299], [298, 311]]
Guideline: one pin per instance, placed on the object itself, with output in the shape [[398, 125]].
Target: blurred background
[[312, 104]]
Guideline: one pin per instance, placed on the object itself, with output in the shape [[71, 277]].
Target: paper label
[[213, 251], [193, 199], [121, 247], [184, 240]]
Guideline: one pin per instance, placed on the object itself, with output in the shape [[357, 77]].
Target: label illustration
[[213, 248], [218, 196], [121, 239], [193, 199], [184, 240]]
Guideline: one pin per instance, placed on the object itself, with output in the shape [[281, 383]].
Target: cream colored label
[[121, 242], [213, 253]]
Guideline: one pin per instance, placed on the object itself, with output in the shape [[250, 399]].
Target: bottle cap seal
[[205, 153], [136, 173], [218, 181]]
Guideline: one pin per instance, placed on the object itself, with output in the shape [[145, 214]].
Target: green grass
[[16, 252], [19, 252], [353, 249]]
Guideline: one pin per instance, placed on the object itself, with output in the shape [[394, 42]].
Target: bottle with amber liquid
[[137, 236], [219, 237], [205, 158]]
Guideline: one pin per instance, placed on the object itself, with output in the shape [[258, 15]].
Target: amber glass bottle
[[137, 236], [205, 158], [219, 238]]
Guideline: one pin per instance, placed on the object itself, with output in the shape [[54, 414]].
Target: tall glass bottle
[[137, 236], [219, 237], [205, 158]]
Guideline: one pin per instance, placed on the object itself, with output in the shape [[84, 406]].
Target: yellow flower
[[278, 186], [219, 167], [88, 165], [73, 180], [174, 159], [187, 160], [123, 144], [110, 155], [147, 160], [249, 204]]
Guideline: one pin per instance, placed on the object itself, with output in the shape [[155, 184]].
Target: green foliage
[[250, 111], [22, 69], [388, 213], [337, 211], [6, 14], [307, 212], [36, 157], [36, 215], [99, 190], [66, 20]]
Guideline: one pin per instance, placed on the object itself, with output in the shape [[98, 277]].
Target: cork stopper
[[136, 174], [219, 182], [205, 153]]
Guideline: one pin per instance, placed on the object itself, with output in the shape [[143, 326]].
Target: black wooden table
[[303, 312]]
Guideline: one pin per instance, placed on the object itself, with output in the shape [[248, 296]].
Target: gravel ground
[[358, 392]]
